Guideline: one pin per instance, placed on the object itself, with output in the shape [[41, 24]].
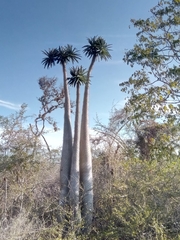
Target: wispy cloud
[[10, 105]]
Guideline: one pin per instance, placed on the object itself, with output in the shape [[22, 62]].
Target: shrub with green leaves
[[143, 202]]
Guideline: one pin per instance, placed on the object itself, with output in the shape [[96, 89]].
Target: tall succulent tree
[[97, 48], [78, 77], [62, 56]]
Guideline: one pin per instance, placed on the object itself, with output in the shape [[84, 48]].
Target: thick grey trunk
[[86, 166], [67, 146], [74, 180], [86, 177]]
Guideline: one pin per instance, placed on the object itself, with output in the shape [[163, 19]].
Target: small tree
[[19, 156], [51, 99]]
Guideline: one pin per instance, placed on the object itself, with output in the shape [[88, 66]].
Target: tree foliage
[[154, 88], [78, 76], [97, 47], [61, 55]]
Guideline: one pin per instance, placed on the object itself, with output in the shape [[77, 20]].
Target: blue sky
[[29, 26]]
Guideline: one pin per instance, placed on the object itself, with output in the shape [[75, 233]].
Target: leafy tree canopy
[[97, 47], [78, 76], [155, 87], [60, 55]]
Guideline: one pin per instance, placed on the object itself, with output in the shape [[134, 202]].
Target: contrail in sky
[[10, 105]]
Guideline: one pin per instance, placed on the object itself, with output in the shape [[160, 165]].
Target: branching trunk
[[67, 146]]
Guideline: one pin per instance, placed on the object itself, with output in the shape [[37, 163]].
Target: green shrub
[[142, 203]]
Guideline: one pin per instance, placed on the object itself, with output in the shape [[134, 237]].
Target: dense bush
[[142, 201], [134, 199]]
